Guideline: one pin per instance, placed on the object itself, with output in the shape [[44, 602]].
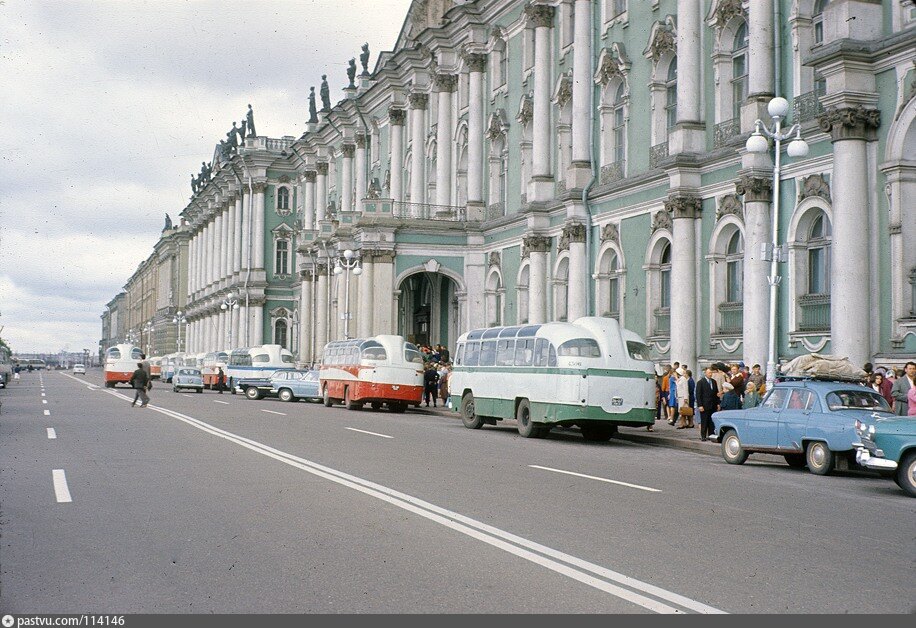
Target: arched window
[[817, 21], [671, 95], [739, 70], [283, 198], [494, 299], [734, 269], [818, 246], [560, 291], [280, 335], [620, 135], [664, 271], [609, 285], [281, 261], [524, 279]]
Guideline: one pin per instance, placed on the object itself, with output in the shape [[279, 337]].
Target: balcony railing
[[807, 107], [657, 153], [426, 211], [815, 312], [613, 172], [663, 321], [725, 131], [731, 318]]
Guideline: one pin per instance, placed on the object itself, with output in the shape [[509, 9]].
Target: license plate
[[617, 401]]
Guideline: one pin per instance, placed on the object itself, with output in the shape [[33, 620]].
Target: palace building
[[526, 161]]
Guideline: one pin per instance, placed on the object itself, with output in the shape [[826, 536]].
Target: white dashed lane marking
[[593, 477], [47, 413], [61, 491], [272, 412], [353, 429], [52, 434]]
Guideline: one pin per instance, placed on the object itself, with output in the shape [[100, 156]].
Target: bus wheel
[[376, 405], [597, 433], [326, 398], [351, 405], [468, 416], [397, 407], [526, 427]]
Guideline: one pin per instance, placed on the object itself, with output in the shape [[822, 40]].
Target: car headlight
[[871, 432]]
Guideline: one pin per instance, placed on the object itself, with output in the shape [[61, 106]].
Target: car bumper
[[873, 460]]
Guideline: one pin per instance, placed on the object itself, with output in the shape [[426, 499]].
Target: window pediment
[[612, 63], [662, 39]]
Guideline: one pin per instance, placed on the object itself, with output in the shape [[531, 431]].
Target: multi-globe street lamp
[[231, 302], [180, 321], [347, 263], [778, 108]]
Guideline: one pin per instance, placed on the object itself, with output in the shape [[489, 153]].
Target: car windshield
[[856, 400]]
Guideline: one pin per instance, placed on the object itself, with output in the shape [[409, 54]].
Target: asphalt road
[[214, 503]]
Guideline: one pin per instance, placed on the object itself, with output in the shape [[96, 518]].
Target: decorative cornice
[[310, 176], [754, 189], [537, 243], [322, 168], [498, 124], [525, 109], [612, 63], [730, 205], [397, 116], [418, 100], [445, 82], [850, 123], [348, 150], [563, 93], [815, 185], [684, 206], [539, 15], [662, 39]]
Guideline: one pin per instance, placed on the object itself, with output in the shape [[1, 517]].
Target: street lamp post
[[231, 302], [778, 108], [349, 262], [149, 336], [180, 321]]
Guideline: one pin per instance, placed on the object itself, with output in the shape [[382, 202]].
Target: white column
[[321, 190], [445, 85], [576, 284], [539, 188], [235, 328], [689, 20], [257, 249], [582, 86], [220, 331], [225, 245], [477, 64], [761, 69], [685, 210], [218, 253], [346, 178], [341, 307], [246, 224], [538, 247], [192, 251], [208, 255], [244, 326], [306, 317], [366, 300], [308, 203], [396, 166], [383, 314], [230, 236], [321, 310], [257, 324], [237, 233], [418, 102], [757, 219], [362, 170]]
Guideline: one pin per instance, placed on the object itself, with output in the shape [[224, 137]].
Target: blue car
[[294, 385], [809, 422], [187, 377]]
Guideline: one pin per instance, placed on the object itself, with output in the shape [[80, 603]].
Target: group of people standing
[[680, 398], [436, 371], [897, 386]]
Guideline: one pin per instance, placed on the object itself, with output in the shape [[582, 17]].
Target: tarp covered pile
[[823, 367]]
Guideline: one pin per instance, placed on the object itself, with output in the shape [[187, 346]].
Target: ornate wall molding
[[445, 82], [610, 233], [348, 150], [418, 100], [754, 188], [573, 232], [730, 205], [498, 124], [612, 63], [539, 15], [722, 11], [259, 186], [662, 39], [684, 206], [850, 123], [322, 168], [493, 259], [362, 140], [661, 220], [310, 176], [475, 61], [563, 92], [525, 109], [397, 116], [815, 185], [537, 243]]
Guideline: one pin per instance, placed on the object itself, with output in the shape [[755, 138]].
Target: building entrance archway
[[429, 309]]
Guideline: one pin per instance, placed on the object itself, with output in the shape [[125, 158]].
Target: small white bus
[[120, 363], [590, 373], [257, 362]]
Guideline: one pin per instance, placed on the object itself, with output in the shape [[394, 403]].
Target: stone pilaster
[[540, 188], [758, 194], [418, 103], [684, 210], [445, 85], [574, 236], [538, 248]]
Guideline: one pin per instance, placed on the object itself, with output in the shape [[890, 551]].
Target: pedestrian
[[16, 373], [430, 384], [707, 402], [444, 373], [683, 398], [902, 386], [886, 385], [149, 371], [672, 392], [719, 373], [220, 379], [139, 381], [445, 355], [736, 379], [757, 377], [665, 390], [730, 398], [751, 396], [692, 395], [911, 401]]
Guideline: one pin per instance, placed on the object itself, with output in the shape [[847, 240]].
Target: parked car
[[295, 385], [79, 369], [189, 378], [888, 445], [809, 422]]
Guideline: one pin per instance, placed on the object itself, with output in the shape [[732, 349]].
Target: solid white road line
[[272, 412], [593, 477], [225, 403], [353, 429], [60, 486], [575, 568], [52, 434], [47, 413]]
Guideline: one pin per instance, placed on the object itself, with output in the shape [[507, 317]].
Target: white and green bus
[[590, 373]]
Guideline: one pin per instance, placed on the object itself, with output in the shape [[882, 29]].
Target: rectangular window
[[472, 354], [665, 288], [671, 107], [619, 136], [614, 297], [488, 353], [505, 352], [524, 352], [459, 357], [282, 260]]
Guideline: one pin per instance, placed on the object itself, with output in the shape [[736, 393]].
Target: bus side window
[[459, 358], [524, 352], [505, 350], [473, 354], [540, 352], [488, 353], [552, 356]]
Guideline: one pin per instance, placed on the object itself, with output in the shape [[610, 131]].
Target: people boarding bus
[[261, 362], [383, 370], [213, 362], [120, 364], [590, 373]]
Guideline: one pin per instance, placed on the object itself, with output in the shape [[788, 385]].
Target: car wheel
[[468, 413], [253, 393], [526, 427], [732, 450], [796, 461], [326, 398], [174, 388], [200, 391], [597, 433], [286, 395], [906, 474], [819, 458]]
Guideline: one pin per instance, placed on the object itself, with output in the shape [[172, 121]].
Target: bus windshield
[[114, 353], [287, 359], [638, 350], [412, 354]]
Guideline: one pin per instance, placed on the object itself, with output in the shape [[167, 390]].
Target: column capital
[[445, 82], [322, 168], [383, 257], [418, 100], [573, 232], [259, 186], [540, 15], [310, 176], [348, 150], [362, 140], [397, 116], [850, 123], [684, 206], [536, 243], [754, 189], [475, 61]]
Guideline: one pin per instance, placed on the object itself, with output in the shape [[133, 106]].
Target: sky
[[108, 106]]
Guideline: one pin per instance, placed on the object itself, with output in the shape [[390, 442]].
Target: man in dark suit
[[707, 392]]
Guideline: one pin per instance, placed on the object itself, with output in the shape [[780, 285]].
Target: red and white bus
[[378, 370], [210, 369], [120, 363]]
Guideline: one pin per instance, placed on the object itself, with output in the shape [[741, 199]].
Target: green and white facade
[[532, 161]]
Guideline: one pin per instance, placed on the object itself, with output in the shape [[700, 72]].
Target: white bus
[[590, 373], [120, 363], [214, 361], [379, 370], [259, 361]]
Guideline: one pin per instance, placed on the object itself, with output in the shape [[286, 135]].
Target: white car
[[79, 369]]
